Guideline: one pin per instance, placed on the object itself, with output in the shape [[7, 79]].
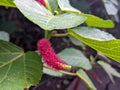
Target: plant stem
[[61, 71], [67, 73], [46, 34], [60, 35]]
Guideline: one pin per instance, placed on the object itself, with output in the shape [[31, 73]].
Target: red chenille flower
[[42, 2], [49, 56]]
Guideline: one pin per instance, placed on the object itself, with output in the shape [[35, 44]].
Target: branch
[[61, 71]]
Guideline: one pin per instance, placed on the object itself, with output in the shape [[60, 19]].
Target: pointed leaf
[[110, 48], [109, 69], [98, 22], [82, 75], [8, 3], [18, 69], [65, 6], [41, 16], [75, 57], [111, 7]]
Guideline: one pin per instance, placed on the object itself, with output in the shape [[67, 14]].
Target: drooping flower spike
[[42, 2], [49, 56]]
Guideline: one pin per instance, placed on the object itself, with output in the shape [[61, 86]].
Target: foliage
[[109, 70], [105, 43], [86, 79], [98, 22], [75, 58], [16, 65], [46, 19], [112, 8], [18, 69], [8, 3]]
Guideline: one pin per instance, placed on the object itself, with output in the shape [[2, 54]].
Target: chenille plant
[[19, 69]]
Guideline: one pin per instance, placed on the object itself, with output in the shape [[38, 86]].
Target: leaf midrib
[[12, 60], [9, 53], [5, 76], [52, 17]]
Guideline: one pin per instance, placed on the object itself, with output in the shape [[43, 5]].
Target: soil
[[27, 34]]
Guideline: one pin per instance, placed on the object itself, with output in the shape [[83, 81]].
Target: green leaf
[[4, 36], [52, 72], [68, 20], [91, 19], [98, 22], [18, 69], [66, 6], [76, 42], [82, 75], [93, 33], [75, 57], [110, 48], [8, 3], [52, 5], [109, 70], [38, 14], [111, 7]]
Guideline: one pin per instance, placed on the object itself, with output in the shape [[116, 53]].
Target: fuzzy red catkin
[[49, 56], [42, 2]]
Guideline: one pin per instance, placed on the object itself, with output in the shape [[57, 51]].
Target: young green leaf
[[42, 17], [95, 21], [82, 75], [75, 57], [51, 5], [66, 6], [18, 69], [109, 70], [8, 3], [110, 47]]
